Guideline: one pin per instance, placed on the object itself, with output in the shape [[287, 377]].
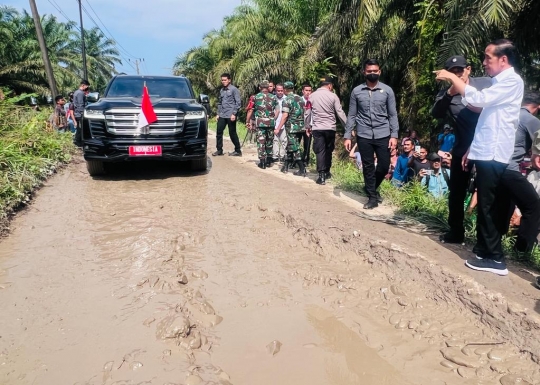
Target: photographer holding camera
[[436, 179]]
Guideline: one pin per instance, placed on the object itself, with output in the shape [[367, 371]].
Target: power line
[[59, 9], [127, 60], [111, 35]]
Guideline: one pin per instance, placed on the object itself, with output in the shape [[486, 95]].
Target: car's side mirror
[[204, 99], [92, 97]]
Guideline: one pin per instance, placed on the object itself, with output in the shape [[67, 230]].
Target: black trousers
[[489, 175], [324, 142], [78, 132], [221, 124], [517, 191], [307, 147], [373, 177], [459, 183]]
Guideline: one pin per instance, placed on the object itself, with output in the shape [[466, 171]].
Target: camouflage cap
[[536, 144], [288, 85], [264, 84]]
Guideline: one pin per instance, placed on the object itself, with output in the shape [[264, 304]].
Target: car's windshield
[[159, 88]]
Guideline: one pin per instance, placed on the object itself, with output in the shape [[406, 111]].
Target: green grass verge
[[415, 202], [28, 153], [241, 129]]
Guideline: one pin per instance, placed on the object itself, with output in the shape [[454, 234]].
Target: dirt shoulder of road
[[510, 306]]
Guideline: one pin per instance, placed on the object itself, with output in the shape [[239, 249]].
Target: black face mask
[[372, 77]]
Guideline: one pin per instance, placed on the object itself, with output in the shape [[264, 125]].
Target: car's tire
[[95, 167], [199, 164]]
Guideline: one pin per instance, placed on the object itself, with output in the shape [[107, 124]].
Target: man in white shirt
[[280, 140], [492, 146]]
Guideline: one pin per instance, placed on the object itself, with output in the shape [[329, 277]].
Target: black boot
[[269, 161], [321, 179], [262, 164], [285, 167], [301, 169]]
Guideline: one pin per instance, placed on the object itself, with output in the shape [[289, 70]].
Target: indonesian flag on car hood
[[147, 115]]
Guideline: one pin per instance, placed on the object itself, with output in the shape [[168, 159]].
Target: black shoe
[[301, 169], [328, 175], [378, 197], [269, 162], [488, 265], [451, 238], [218, 153], [371, 204], [285, 167], [235, 153], [262, 164], [321, 180]]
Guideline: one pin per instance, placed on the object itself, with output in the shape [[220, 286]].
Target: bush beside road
[[29, 153]]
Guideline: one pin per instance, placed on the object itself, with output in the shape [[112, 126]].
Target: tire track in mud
[[424, 302]]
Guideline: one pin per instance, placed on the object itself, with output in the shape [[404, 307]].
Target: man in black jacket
[[449, 103]]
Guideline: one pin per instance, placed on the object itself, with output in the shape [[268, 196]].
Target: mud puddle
[[230, 277]]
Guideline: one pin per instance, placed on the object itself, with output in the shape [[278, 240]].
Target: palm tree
[[102, 56]]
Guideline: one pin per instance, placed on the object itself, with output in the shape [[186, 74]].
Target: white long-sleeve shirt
[[496, 129]]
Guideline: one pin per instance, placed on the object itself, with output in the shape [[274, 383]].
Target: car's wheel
[[199, 165], [95, 167]]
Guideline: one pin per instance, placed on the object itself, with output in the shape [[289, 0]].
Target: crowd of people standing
[[491, 130]]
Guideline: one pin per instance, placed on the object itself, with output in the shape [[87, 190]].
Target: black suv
[[110, 132]]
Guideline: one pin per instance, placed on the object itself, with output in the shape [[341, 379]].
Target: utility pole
[[137, 66], [43, 48], [83, 46]]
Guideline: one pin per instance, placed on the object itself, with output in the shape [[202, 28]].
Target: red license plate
[[145, 151]]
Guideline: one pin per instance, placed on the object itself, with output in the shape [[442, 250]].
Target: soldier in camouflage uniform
[[265, 105], [293, 118]]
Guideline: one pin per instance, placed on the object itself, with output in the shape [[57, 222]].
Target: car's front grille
[[191, 128], [97, 128], [124, 122]]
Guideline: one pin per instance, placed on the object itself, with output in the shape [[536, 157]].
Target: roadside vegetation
[[413, 203], [21, 65], [29, 152], [301, 41]]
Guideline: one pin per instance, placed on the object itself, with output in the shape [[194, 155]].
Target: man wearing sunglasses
[[449, 103]]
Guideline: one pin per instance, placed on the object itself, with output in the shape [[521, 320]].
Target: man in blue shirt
[[436, 179], [402, 173], [446, 139]]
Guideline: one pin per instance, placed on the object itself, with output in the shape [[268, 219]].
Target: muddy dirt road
[[243, 276]]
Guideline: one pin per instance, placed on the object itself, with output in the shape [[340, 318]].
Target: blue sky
[[156, 30]]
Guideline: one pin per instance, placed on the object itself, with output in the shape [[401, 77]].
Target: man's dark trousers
[[488, 236], [78, 132], [516, 190], [221, 124], [459, 183], [307, 144], [367, 149], [323, 146]]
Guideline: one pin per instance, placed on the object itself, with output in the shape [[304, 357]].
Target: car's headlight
[[195, 115], [94, 114]]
